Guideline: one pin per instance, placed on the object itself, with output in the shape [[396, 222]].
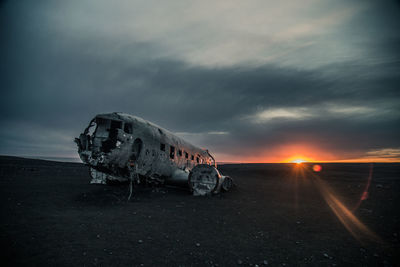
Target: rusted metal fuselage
[[122, 147]]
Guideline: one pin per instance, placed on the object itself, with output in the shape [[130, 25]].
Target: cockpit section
[[108, 134], [101, 137]]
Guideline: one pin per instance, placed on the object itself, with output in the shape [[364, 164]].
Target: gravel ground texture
[[276, 215]]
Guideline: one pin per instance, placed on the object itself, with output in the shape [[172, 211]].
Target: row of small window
[[172, 153]]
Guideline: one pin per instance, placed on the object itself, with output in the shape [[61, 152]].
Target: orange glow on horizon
[[301, 153], [297, 159]]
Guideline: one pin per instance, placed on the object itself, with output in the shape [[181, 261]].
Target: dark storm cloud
[[55, 79]]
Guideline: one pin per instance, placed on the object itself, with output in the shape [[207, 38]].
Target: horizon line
[[77, 159]]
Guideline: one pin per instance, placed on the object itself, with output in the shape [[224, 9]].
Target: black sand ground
[[51, 215]]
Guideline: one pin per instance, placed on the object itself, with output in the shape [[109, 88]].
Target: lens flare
[[353, 225], [317, 168], [365, 193]]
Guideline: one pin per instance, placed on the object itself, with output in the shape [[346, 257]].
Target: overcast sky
[[253, 81]]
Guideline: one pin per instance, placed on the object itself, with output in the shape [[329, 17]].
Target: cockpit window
[[172, 152], [111, 142], [91, 128], [102, 121], [102, 127], [116, 124], [128, 128]]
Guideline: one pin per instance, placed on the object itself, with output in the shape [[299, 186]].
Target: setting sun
[[298, 158], [298, 161]]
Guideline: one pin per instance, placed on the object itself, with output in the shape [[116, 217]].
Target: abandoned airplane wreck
[[119, 147]]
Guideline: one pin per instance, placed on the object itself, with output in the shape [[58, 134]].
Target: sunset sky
[[252, 81]]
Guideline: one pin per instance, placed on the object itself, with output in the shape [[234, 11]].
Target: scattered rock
[[379, 186], [265, 262], [197, 244], [326, 255], [140, 241], [239, 262]]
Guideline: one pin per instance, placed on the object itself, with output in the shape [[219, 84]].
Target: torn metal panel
[[122, 147], [103, 178]]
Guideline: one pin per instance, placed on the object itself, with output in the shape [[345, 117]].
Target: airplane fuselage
[[118, 146]]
